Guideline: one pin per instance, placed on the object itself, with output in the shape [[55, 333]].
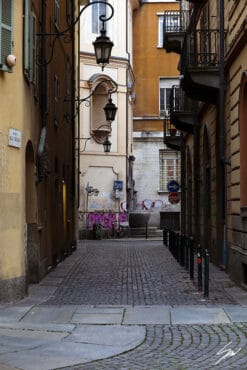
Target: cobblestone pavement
[[137, 272], [182, 347], [141, 272]]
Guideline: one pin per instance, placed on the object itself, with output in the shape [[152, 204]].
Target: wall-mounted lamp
[[102, 132], [101, 136], [102, 45], [107, 145], [110, 110]]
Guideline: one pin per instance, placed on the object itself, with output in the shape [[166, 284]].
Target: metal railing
[[176, 21], [169, 129], [200, 49], [179, 101], [189, 256]]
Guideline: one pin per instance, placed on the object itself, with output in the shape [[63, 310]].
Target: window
[[160, 30], [56, 101], [98, 9], [165, 87], [57, 14], [6, 32], [30, 30], [169, 168]]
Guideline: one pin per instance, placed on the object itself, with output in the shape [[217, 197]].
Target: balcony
[[172, 136], [174, 28], [199, 65], [181, 110]]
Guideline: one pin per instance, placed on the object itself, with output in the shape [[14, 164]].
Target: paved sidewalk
[[124, 305]]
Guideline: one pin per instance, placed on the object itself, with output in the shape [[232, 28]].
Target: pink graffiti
[[106, 219]]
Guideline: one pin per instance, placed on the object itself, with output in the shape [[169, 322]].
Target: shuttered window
[[30, 31], [169, 168], [6, 32]]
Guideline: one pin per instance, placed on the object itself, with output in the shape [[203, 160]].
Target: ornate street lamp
[[107, 145], [102, 47], [110, 110]]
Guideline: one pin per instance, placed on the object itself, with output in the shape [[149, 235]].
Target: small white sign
[[14, 138]]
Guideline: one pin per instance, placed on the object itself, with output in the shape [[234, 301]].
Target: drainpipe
[[78, 117], [221, 212], [43, 88], [127, 111]]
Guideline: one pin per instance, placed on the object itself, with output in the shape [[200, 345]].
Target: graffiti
[[148, 203], [106, 219]]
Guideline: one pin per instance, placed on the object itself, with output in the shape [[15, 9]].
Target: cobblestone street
[[125, 305], [136, 272], [141, 272]]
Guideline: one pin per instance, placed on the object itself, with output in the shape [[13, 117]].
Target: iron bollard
[[199, 268], [206, 274], [177, 250], [191, 252], [182, 250], [165, 231], [186, 242]]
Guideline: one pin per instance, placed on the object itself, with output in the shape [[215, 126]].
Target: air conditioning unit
[[164, 113]]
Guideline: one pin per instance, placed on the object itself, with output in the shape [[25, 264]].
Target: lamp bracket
[[67, 32]]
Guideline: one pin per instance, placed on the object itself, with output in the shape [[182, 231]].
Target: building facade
[[210, 111], [105, 178], [37, 187], [156, 163]]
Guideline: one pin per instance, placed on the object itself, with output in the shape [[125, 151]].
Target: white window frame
[[165, 84], [96, 12], [160, 30]]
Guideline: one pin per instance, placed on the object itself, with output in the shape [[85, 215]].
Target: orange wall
[[150, 62]]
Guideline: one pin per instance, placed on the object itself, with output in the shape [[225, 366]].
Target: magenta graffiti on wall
[[106, 219]]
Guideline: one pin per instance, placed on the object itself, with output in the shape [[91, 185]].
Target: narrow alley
[[125, 304]]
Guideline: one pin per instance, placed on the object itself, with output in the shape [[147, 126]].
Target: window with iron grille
[[169, 168], [98, 9], [6, 32]]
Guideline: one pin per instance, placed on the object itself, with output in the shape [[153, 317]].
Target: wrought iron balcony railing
[[200, 49], [170, 131], [182, 110], [179, 101], [175, 21]]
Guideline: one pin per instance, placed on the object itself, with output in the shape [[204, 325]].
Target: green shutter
[[6, 32]]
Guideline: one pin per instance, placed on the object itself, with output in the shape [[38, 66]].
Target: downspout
[[222, 162], [78, 115], [127, 110], [43, 89]]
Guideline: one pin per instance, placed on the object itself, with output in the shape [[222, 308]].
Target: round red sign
[[174, 198]]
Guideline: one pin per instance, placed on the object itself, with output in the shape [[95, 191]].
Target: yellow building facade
[[155, 71], [34, 125]]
